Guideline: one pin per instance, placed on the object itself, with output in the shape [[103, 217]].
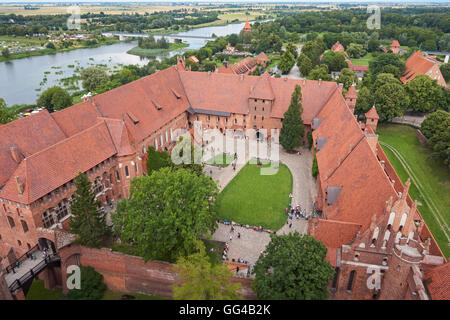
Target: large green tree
[[347, 77], [382, 61], [304, 65], [293, 267], [6, 115], [391, 100], [355, 50], [93, 77], [435, 122], [425, 94], [364, 101], [313, 49], [166, 213], [320, 72], [287, 61], [335, 60], [203, 280], [54, 98], [445, 70], [88, 222], [293, 128]]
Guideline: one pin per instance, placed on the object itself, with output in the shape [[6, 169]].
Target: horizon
[[230, 2]]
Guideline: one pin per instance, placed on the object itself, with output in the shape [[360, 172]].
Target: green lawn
[[363, 61], [255, 199], [432, 174], [222, 160], [38, 292], [153, 52]]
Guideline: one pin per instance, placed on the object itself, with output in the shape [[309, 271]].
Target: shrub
[[92, 286]]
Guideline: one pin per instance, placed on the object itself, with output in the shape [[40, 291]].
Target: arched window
[[402, 221], [117, 176], [127, 172], [351, 280], [12, 224], [61, 210], [47, 219], [24, 226]]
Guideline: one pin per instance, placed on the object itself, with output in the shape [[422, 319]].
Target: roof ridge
[[184, 89]]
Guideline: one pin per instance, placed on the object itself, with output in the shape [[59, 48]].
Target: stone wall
[[131, 274]]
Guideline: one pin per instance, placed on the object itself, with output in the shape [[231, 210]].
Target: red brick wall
[[130, 274]]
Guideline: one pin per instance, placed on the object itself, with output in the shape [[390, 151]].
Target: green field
[[38, 292], [363, 61], [430, 178], [137, 51], [255, 199]]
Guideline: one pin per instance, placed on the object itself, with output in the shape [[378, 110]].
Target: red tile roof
[[415, 65], [332, 233], [372, 114], [247, 26], [50, 168], [76, 118], [262, 88], [351, 93], [337, 47], [30, 135], [437, 281], [395, 43], [262, 57]]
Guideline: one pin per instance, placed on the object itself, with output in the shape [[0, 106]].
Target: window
[[117, 176], [350, 281], [61, 210], [47, 219], [209, 118], [167, 136], [262, 118], [24, 226], [19, 242], [97, 186], [254, 118], [263, 109], [161, 139], [143, 150], [171, 134], [11, 222], [335, 279], [255, 108], [156, 144], [127, 172]]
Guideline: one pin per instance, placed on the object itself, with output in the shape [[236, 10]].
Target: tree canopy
[[6, 115], [203, 280], [54, 98], [304, 64], [93, 77], [425, 94], [293, 267], [166, 213], [91, 285], [287, 61], [88, 222], [385, 62], [293, 128]]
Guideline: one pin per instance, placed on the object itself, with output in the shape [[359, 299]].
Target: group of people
[[297, 211], [255, 228]]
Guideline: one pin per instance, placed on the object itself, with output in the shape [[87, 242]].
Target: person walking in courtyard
[[290, 224], [239, 235]]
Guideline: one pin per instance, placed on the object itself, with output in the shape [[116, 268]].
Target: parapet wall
[[131, 274]]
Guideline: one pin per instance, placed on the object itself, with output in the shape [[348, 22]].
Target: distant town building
[[418, 64], [247, 27], [395, 47]]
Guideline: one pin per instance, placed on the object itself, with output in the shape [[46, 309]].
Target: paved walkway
[[252, 243]]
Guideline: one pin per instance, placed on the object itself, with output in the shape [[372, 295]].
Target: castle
[[107, 137]]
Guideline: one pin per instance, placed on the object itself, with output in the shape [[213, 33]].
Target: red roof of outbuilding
[[415, 65], [395, 43], [372, 114], [437, 281]]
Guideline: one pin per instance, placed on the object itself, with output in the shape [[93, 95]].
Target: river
[[22, 80]]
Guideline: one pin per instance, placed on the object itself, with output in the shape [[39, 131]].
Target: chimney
[[241, 76], [20, 187], [15, 154]]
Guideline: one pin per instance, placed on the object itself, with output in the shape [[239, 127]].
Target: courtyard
[[295, 178]]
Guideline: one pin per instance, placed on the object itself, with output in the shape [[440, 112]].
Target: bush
[[310, 139], [92, 286]]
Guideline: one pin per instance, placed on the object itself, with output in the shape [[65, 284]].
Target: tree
[[391, 100], [194, 162], [355, 50], [320, 72], [293, 267], [203, 280], [91, 285], [445, 70], [313, 50], [364, 101], [304, 64], [292, 49], [425, 94], [293, 128], [435, 122], [50, 45], [5, 52], [166, 213], [88, 222], [347, 77], [335, 60], [287, 61], [54, 98], [93, 77], [377, 65], [6, 115], [373, 45], [157, 160]]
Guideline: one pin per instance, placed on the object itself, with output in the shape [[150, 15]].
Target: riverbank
[[47, 51], [137, 51]]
